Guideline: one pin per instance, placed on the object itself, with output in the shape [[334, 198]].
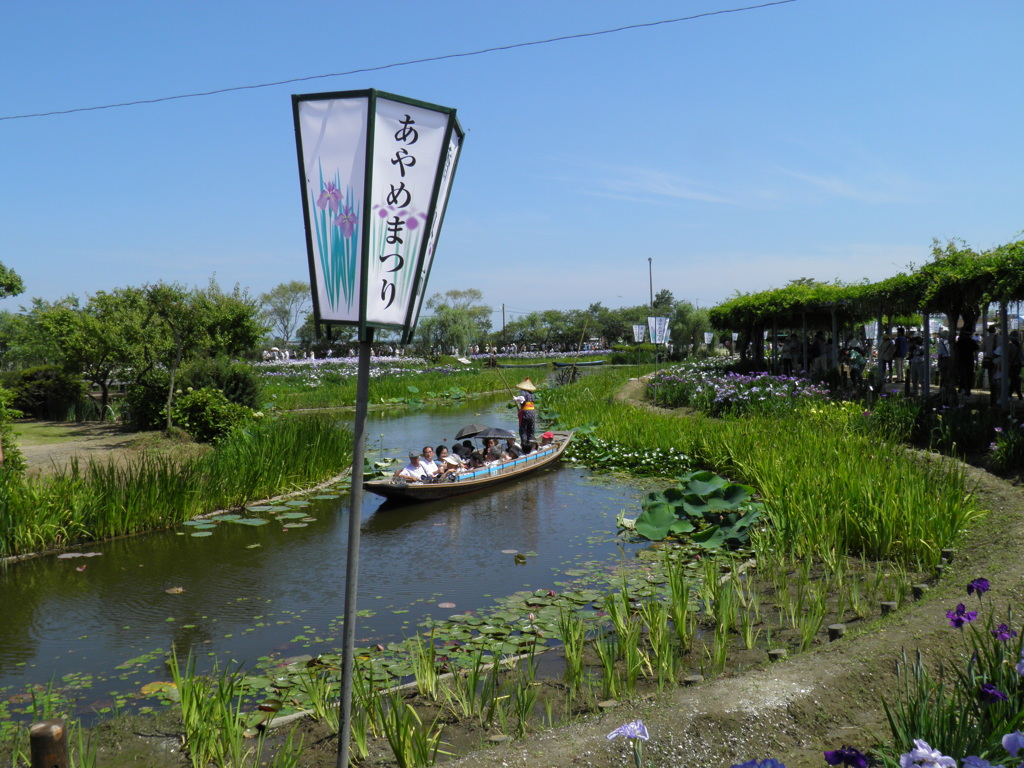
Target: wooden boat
[[580, 364], [472, 480], [521, 365]]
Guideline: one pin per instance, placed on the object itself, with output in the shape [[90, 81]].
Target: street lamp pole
[[650, 272]]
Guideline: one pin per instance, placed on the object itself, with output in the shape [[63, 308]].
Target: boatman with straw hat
[[527, 410]]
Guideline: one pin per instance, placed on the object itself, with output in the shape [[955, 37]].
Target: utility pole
[[503, 324], [650, 271]]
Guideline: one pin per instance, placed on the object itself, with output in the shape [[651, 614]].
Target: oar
[[505, 382]]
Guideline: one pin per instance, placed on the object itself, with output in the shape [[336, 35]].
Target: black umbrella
[[498, 432], [471, 431]]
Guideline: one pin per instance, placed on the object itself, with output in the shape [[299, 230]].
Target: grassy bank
[[100, 500], [829, 488]]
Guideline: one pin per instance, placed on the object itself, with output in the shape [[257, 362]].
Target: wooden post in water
[[355, 512], [48, 744]]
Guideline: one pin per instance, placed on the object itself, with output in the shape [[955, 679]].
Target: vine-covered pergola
[[958, 282]]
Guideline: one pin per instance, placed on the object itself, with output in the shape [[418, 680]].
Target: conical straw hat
[[527, 385]]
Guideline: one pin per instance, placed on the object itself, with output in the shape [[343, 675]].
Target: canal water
[[103, 624]]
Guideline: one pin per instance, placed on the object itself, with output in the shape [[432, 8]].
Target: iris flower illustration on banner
[[330, 197], [335, 223], [346, 222]]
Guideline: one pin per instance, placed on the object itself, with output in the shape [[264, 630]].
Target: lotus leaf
[[200, 534]]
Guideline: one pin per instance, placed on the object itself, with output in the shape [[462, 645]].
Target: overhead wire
[[393, 65]]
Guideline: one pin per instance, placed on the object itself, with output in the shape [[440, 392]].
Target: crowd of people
[[436, 465], [981, 360]]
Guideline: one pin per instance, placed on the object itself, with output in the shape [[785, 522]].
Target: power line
[[393, 65]]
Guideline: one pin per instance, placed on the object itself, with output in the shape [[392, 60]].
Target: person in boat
[[530, 447], [414, 471], [428, 461], [527, 410], [548, 438], [443, 456], [512, 449]]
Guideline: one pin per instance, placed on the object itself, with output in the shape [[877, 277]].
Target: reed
[[322, 690], [211, 714], [98, 500], [679, 588], [572, 630], [413, 744], [607, 648], [424, 666]]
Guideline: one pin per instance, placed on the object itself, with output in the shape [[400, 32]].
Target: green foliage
[[146, 398], [946, 708], [239, 382], [11, 283], [284, 308], [826, 487], [102, 500], [207, 415], [712, 510], [13, 460], [46, 392]]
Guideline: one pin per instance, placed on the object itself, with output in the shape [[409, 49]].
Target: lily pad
[[251, 521], [291, 515], [201, 534]]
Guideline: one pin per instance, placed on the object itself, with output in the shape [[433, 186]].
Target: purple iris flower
[[846, 756], [329, 198], [346, 222], [989, 694], [634, 730], [770, 762], [981, 586], [1020, 665], [961, 616], [971, 761], [1013, 743], [1003, 633]]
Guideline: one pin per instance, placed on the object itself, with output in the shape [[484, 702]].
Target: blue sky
[[818, 138]]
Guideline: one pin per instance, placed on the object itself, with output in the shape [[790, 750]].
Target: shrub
[[239, 382], [47, 392], [206, 414], [13, 460], [146, 400]]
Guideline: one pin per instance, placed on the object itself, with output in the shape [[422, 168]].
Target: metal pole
[[352, 564], [650, 272]]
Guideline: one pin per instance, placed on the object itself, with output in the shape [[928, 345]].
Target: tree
[[687, 325], [10, 282], [285, 307], [663, 301], [458, 320], [95, 340]]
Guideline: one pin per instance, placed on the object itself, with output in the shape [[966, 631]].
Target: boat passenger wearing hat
[[414, 471], [547, 439], [527, 410]]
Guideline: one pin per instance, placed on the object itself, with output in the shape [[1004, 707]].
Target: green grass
[[827, 487], [32, 433]]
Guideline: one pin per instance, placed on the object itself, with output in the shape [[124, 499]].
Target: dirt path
[[90, 439], [795, 709]]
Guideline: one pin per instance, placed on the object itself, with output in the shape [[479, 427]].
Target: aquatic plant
[[713, 511]]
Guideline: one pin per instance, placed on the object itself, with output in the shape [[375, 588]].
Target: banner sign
[[376, 170], [659, 329], [708, 337], [638, 333]]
